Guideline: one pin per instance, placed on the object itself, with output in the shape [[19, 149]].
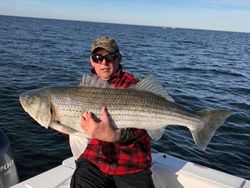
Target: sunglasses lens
[[110, 57], [99, 58]]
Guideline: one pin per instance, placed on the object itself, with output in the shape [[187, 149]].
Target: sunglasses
[[109, 58]]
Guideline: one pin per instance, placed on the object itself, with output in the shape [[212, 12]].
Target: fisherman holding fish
[[112, 145], [113, 157]]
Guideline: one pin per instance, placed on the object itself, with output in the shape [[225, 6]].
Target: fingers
[[85, 119], [86, 124], [89, 119], [105, 116], [100, 129], [83, 122]]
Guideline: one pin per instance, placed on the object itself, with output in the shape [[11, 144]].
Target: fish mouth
[[23, 102]]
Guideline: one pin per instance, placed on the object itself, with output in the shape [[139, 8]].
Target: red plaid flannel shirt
[[128, 156]]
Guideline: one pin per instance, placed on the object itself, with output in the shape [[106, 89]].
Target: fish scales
[[126, 106]]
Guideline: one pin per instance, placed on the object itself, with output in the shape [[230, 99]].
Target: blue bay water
[[200, 69]]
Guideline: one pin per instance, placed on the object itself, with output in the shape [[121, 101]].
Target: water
[[200, 69]]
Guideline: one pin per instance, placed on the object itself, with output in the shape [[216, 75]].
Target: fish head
[[37, 104]]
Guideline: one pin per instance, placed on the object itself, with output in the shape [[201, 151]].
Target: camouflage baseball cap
[[106, 43]]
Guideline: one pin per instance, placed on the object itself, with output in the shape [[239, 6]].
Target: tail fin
[[212, 119]]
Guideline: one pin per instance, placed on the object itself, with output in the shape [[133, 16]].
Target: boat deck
[[168, 171]]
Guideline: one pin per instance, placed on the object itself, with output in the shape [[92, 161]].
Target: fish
[[145, 105]]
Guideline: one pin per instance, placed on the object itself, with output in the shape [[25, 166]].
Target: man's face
[[105, 67]]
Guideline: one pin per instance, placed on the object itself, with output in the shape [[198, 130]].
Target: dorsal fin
[[150, 84], [94, 81]]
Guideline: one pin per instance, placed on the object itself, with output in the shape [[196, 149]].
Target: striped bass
[[146, 105]]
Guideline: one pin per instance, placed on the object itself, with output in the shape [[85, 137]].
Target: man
[[113, 158]]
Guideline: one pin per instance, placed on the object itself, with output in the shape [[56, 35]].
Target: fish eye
[[28, 99]]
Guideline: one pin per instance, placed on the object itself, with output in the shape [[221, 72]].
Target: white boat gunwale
[[168, 171]]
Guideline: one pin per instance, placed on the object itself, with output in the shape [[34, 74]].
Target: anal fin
[[156, 134]]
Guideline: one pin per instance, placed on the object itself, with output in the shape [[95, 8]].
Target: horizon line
[[129, 24]]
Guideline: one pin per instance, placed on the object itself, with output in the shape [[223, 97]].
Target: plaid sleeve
[[130, 135]]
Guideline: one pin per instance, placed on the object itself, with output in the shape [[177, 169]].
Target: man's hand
[[100, 129]]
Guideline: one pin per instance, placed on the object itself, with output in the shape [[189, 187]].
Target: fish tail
[[212, 120]]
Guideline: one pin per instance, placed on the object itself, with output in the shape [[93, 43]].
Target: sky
[[225, 15]]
